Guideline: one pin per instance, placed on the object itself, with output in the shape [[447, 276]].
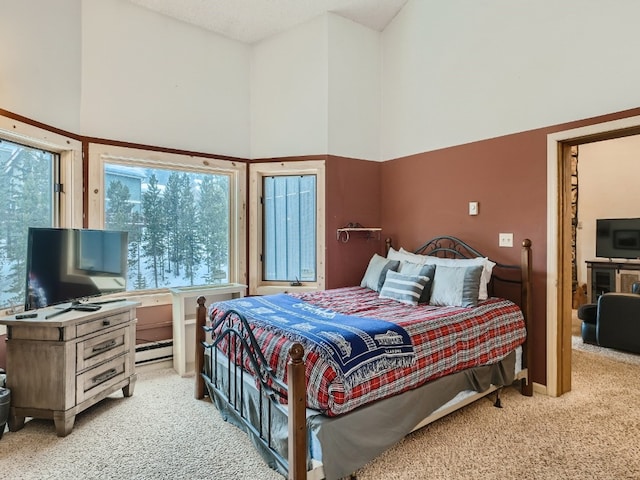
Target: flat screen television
[[618, 238], [70, 265]]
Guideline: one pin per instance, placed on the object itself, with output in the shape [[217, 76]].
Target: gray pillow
[[377, 271], [456, 286], [403, 288], [410, 268]]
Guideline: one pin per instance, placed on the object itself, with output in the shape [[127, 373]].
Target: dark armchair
[[613, 322]]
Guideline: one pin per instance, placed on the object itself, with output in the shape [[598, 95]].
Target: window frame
[[99, 154], [257, 172], [69, 206]]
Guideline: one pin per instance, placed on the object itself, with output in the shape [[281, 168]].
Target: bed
[[282, 367]]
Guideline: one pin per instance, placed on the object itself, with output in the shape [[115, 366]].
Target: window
[[286, 241], [289, 213], [39, 173], [26, 200], [180, 213]]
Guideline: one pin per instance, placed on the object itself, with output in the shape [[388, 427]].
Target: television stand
[[610, 275], [60, 367]]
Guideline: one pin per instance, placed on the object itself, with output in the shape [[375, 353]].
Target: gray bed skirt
[[346, 443]]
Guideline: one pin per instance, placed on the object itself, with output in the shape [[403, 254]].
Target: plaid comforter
[[445, 340]]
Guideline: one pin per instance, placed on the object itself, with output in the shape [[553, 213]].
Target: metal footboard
[[225, 381]]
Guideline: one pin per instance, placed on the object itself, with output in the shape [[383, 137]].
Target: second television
[[618, 238]]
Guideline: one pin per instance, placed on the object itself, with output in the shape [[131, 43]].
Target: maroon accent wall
[[352, 195], [427, 195], [154, 323]]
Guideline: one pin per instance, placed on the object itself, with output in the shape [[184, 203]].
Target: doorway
[[559, 236]]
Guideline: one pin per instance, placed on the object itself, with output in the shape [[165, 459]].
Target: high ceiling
[[250, 21]]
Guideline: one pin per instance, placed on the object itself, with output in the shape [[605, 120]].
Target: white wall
[[40, 61], [354, 89], [608, 174], [452, 72], [462, 70], [151, 79], [315, 89], [289, 92]]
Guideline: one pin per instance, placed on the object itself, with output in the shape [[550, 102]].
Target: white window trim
[[258, 286], [70, 151], [100, 153]]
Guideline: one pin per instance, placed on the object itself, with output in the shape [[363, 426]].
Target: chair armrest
[[588, 313]]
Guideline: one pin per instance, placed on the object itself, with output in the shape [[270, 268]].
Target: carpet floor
[[161, 432]]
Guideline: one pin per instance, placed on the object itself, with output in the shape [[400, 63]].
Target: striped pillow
[[403, 288], [410, 268]]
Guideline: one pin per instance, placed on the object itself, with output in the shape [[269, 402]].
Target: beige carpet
[[590, 433], [161, 432]]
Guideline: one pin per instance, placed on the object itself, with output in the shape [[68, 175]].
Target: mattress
[[445, 339]]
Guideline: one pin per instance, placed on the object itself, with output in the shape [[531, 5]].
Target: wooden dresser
[[58, 367]]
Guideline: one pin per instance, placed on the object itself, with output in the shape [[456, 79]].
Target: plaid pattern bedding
[[445, 339]]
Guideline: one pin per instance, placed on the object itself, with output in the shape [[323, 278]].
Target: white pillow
[[487, 267], [405, 256]]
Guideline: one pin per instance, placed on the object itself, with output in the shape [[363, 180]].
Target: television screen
[[618, 238], [66, 265]]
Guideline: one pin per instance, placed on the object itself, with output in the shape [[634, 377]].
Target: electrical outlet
[[505, 239], [473, 208]]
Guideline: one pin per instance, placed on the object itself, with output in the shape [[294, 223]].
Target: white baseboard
[[154, 353]]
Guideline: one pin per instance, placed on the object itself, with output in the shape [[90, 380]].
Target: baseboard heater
[[154, 352]]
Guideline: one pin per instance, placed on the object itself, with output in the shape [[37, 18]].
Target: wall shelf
[[344, 234]]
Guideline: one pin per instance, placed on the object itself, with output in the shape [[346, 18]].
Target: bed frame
[[271, 389]]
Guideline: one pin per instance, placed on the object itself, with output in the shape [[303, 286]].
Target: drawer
[[101, 348], [104, 376], [98, 324]]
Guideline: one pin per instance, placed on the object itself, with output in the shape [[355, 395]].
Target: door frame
[[558, 241]]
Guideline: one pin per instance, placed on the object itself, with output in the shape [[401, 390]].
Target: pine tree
[[119, 207], [29, 183], [213, 212], [189, 231], [135, 239], [171, 203], [154, 232], [119, 216]]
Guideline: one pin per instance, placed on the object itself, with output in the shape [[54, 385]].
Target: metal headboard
[[447, 246]]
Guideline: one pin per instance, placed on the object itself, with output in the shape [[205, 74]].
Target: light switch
[[473, 208], [505, 239]]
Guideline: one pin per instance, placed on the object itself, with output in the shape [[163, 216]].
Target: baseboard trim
[[154, 352]]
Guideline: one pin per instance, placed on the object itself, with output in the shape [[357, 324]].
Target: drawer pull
[[104, 346], [106, 323], [112, 372]]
